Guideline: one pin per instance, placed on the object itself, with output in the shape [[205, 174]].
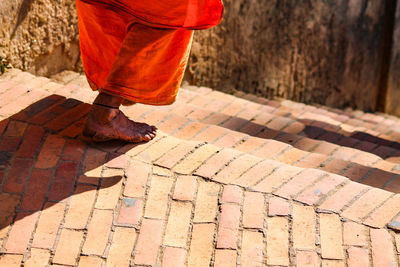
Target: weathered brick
[[236, 168], [210, 134], [278, 207], [331, 236], [307, 258], [11, 260], [216, 162], [380, 217], [225, 258], [194, 160], [291, 156], [15, 128], [173, 156], [228, 228], [201, 245], [9, 143], [190, 130], [130, 211], [7, 210], [303, 227], [18, 175], [178, 224], [173, 257], [110, 189], [382, 248], [37, 257], [185, 188], [68, 247], [276, 179], [98, 232], [80, 207], [357, 257], [365, 204], [159, 148], [21, 232], [173, 123], [253, 210], [157, 200], [354, 234], [93, 163], [256, 173], [149, 242], [68, 117], [49, 222], [64, 180], [251, 144], [271, 149], [36, 191], [207, 202], [31, 142], [332, 263], [232, 194], [121, 247], [278, 241], [137, 175], [50, 152], [252, 249], [230, 139]]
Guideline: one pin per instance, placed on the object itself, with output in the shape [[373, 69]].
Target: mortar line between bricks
[[391, 179], [376, 208]]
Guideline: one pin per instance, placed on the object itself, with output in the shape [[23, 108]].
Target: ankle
[[109, 101]]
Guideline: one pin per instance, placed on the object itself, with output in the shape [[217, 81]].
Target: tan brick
[[21, 232], [236, 168], [201, 246], [10, 260], [225, 258], [157, 201], [90, 261], [332, 263], [382, 248], [307, 258], [80, 207], [216, 163], [110, 189], [228, 228], [397, 239], [252, 249], [178, 224], [276, 179], [365, 204], [137, 173], [93, 164], [68, 247], [358, 257], [121, 247], [37, 257], [185, 188], [303, 227], [232, 194], [331, 236], [156, 150], [173, 257], [384, 214], [278, 241], [354, 234], [207, 202], [49, 222], [149, 242], [253, 210], [98, 232], [194, 160], [173, 156], [256, 173], [278, 207]]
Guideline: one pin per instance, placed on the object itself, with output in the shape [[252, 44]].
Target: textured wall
[[40, 36], [311, 51]]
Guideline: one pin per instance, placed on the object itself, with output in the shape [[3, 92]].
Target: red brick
[[314, 193], [50, 152], [137, 176], [303, 229], [252, 249], [172, 157], [64, 180], [73, 150], [365, 204], [345, 153], [67, 251], [80, 207], [22, 102], [225, 258], [216, 118], [344, 195], [37, 107], [306, 144], [92, 164], [377, 178], [253, 210], [279, 123], [177, 229], [149, 242], [9, 203], [334, 165], [228, 228], [15, 129], [256, 173], [54, 111], [37, 257], [8, 143], [232, 194], [331, 236], [18, 175], [185, 188], [307, 258], [216, 162], [201, 245], [278, 207], [278, 252], [394, 185], [230, 139], [355, 234], [130, 211], [3, 125], [121, 247], [276, 179], [21, 232], [236, 168], [358, 257], [35, 193], [31, 142], [49, 222], [271, 149], [382, 248], [68, 117], [356, 172], [75, 129], [294, 128], [384, 214], [173, 257], [365, 158], [98, 232], [299, 182]]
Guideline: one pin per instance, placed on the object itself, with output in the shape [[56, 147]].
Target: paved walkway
[[229, 181]]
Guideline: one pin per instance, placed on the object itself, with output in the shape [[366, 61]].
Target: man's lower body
[[128, 62]]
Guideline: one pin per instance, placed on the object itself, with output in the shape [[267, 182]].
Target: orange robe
[[138, 49]]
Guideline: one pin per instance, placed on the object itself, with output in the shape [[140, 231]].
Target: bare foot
[[104, 124]]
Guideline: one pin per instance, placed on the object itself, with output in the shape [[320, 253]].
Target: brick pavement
[[229, 181]]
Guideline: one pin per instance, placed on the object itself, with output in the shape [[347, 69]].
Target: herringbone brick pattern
[[229, 181]]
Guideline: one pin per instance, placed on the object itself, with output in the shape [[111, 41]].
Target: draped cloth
[[138, 49]]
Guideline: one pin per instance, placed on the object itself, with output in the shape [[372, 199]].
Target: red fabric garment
[[142, 61]]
